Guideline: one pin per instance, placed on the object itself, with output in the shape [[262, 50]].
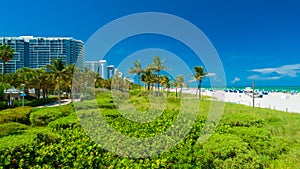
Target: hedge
[[64, 122], [20, 115], [11, 128], [43, 116]]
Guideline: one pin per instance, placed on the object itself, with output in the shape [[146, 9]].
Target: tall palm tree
[[47, 84], [158, 65], [68, 77], [176, 85], [165, 81], [37, 78], [136, 69], [6, 54], [180, 81], [199, 74], [25, 77], [58, 68], [147, 77]]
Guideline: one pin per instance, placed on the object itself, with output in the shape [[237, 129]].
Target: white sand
[[277, 101]]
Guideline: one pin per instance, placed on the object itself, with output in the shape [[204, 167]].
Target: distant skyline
[[256, 40]]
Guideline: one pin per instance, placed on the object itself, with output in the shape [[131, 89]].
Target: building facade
[[98, 67], [103, 69], [110, 71], [106, 72], [36, 52], [18, 61]]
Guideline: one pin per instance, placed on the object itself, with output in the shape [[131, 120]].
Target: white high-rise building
[[110, 71], [103, 69], [98, 67]]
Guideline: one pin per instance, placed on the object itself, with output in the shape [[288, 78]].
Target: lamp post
[[10, 100], [86, 90], [23, 94]]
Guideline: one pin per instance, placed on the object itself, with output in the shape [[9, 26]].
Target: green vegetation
[[6, 54], [42, 117], [11, 128], [20, 115], [244, 138]]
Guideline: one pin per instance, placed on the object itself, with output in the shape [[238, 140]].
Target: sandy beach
[[274, 100]]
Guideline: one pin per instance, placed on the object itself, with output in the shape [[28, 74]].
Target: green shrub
[[64, 122], [11, 141], [229, 151], [241, 119], [11, 128], [43, 116], [47, 137], [20, 115]]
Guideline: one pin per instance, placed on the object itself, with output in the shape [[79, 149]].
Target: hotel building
[[36, 52]]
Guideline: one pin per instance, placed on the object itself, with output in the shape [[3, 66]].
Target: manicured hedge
[[20, 115], [43, 116], [31, 103], [11, 128], [64, 122]]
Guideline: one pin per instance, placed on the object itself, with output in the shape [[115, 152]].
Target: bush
[[64, 122], [43, 116], [11, 128], [229, 151], [20, 115], [240, 119], [47, 137]]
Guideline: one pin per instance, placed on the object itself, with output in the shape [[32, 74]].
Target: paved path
[[53, 104]]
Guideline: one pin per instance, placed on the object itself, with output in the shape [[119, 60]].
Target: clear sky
[[256, 40]]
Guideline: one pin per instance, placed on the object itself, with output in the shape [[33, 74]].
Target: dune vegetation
[[53, 137]]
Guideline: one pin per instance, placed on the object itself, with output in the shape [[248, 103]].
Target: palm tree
[[147, 77], [199, 74], [48, 84], [158, 65], [180, 81], [38, 77], [137, 69], [68, 77], [58, 68], [165, 81], [176, 85], [6, 54], [25, 77], [12, 79]]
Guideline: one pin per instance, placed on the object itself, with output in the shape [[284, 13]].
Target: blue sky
[[255, 40]]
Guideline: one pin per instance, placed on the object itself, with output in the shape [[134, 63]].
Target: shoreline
[[281, 101]]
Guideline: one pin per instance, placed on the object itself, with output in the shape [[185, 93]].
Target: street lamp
[[23, 94], [86, 90]]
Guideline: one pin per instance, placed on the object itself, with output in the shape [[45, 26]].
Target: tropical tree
[[25, 77], [199, 74], [6, 54], [157, 66], [58, 68], [48, 84], [136, 69], [67, 79], [165, 81], [180, 81], [38, 77], [176, 85], [148, 77], [12, 79]]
